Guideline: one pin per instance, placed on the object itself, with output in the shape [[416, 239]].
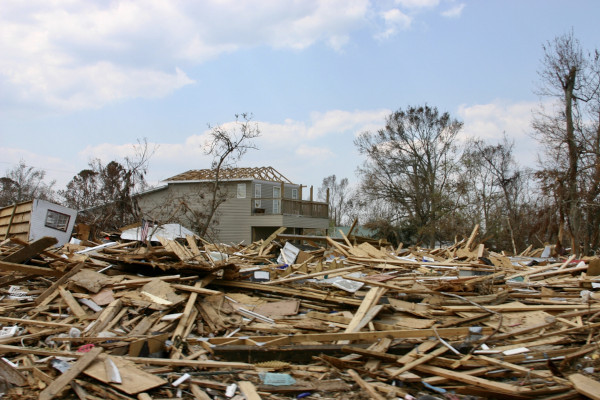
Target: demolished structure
[[310, 318]]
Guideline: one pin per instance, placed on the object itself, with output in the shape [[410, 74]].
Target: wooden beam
[[105, 317], [72, 303], [369, 336], [492, 386], [189, 363], [28, 269], [339, 247], [313, 295], [248, 389], [420, 360], [314, 274], [198, 393], [59, 383], [369, 302], [184, 320], [268, 240], [10, 221], [10, 374], [367, 387], [60, 281], [31, 250], [35, 322], [195, 289]]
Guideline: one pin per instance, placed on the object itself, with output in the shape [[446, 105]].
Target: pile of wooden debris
[[281, 320]]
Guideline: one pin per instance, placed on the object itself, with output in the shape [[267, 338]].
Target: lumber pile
[[280, 320]]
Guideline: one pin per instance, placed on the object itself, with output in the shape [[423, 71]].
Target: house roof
[[258, 173]]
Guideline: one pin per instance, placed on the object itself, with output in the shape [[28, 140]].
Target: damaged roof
[[258, 173]]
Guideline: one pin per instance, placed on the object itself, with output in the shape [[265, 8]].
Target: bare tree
[[227, 146], [411, 164], [571, 77], [106, 192], [339, 197], [500, 185], [23, 183]]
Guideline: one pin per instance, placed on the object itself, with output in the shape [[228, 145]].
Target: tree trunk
[[572, 173]]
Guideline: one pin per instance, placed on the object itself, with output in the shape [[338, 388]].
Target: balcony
[[278, 206]]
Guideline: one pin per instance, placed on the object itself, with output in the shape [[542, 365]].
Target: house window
[[295, 194], [56, 220], [241, 191], [257, 195], [276, 200]]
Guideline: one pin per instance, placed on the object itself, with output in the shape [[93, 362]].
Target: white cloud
[[395, 20], [300, 149], [490, 121], [75, 54], [455, 11], [418, 3], [314, 152], [322, 124]]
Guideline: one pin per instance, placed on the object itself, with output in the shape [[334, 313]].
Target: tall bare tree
[[226, 146], [570, 77], [411, 164]]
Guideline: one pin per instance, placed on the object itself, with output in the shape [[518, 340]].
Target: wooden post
[[311, 193], [12, 216]]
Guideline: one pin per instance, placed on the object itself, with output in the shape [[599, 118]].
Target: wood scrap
[[164, 311]]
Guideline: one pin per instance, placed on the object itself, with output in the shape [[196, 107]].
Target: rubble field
[[293, 317]]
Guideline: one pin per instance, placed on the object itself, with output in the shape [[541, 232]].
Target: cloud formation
[[454, 12], [328, 135], [67, 55], [491, 121]]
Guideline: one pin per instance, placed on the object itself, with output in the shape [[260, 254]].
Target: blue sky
[[83, 79]]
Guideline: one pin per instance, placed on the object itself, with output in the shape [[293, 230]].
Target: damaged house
[[252, 204], [35, 219]]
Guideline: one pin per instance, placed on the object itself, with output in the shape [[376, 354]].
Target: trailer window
[[56, 220]]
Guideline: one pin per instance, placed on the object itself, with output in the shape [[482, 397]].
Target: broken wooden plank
[[63, 380], [586, 386], [492, 386], [370, 336], [31, 250], [10, 374], [358, 321], [28, 269], [104, 318], [72, 303], [248, 390], [60, 281], [367, 387], [268, 240]]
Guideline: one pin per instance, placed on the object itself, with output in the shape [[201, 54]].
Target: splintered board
[[135, 380]]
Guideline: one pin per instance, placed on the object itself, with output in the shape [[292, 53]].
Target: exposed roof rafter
[[259, 173]]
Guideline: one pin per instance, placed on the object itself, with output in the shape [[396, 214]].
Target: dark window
[[56, 220]]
